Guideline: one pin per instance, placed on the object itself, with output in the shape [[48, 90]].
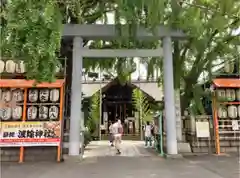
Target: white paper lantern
[[32, 113], [221, 93], [18, 95], [54, 95], [20, 67], [43, 112], [58, 68], [230, 94], [5, 113], [44, 95], [10, 66], [17, 112], [1, 91], [228, 67], [239, 111], [238, 94], [53, 112], [7, 95], [2, 66], [33, 95], [222, 112], [232, 112]]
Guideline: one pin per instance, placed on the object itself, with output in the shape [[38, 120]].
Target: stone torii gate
[[108, 32]]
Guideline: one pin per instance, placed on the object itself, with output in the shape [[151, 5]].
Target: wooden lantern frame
[[221, 83], [27, 84]]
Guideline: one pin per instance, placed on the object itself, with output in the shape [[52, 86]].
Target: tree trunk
[[186, 97]]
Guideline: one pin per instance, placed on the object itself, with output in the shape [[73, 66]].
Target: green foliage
[[140, 102], [94, 116], [33, 33]]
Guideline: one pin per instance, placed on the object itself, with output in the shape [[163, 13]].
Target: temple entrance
[[117, 104]]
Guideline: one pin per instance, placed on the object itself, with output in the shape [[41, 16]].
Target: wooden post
[[61, 123], [216, 128], [21, 155]]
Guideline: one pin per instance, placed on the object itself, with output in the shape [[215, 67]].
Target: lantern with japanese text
[[2, 66], [10, 66]]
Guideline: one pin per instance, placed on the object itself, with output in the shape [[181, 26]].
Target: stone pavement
[[128, 149], [135, 162]]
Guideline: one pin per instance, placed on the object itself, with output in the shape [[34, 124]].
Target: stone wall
[[30, 154]]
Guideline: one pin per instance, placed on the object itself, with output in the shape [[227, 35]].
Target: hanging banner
[[30, 133]]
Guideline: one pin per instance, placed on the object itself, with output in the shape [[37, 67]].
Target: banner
[[30, 133]]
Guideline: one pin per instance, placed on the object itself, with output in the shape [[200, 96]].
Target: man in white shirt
[[117, 131], [111, 139]]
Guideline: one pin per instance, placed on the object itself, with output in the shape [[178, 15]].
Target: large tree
[[36, 30]]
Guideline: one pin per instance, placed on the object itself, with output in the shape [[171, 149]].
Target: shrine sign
[[38, 133]]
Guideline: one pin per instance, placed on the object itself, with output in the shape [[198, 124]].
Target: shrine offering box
[[36, 120]]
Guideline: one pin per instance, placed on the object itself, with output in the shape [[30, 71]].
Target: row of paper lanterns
[[43, 95], [229, 67], [231, 112], [10, 66], [229, 94], [33, 113]]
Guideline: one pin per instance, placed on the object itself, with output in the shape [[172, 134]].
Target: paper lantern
[[32, 113], [18, 95], [221, 94], [43, 112], [238, 94], [222, 112], [7, 96], [5, 113], [228, 67], [239, 111], [58, 68], [1, 94], [44, 95], [53, 112], [10, 66], [17, 113], [230, 94], [33, 95], [232, 112], [20, 67], [54, 95], [2, 66]]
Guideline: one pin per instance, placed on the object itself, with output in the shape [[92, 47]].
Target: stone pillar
[[169, 98], [76, 139]]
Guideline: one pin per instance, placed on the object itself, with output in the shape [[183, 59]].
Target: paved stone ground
[[128, 149], [135, 162]]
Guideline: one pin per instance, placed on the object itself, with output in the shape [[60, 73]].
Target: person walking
[[117, 130], [148, 134], [111, 138]]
